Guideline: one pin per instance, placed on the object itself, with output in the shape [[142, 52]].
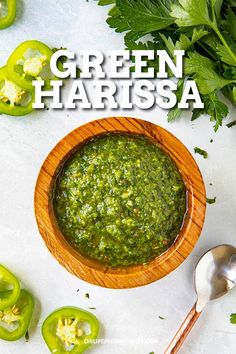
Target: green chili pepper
[[64, 331], [8, 279], [30, 61], [8, 19], [16, 317], [14, 100]]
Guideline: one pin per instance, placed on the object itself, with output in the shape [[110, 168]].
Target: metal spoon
[[214, 276]]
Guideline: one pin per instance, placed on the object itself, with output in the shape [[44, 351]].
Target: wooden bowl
[[92, 271]]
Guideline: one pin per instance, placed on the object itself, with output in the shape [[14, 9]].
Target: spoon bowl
[[214, 276]]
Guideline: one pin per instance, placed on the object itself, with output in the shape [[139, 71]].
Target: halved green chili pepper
[[65, 331], [30, 61], [17, 317], [8, 279], [14, 100], [7, 19]]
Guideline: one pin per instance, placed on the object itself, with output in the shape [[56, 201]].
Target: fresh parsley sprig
[[205, 29]]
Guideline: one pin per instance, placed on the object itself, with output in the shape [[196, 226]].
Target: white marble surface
[[128, 315]]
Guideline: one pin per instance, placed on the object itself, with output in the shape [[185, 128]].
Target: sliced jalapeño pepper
[[70, 330], [14, 100], [8, 15], [8, 279], [16, 318], [30, 61]]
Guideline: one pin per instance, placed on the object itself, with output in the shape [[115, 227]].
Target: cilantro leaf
[[191, 13], [202, 152], [233, 318]]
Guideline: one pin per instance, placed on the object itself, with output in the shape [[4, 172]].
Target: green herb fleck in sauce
[[120, 200]]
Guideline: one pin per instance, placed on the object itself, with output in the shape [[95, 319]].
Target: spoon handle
[[183, 331]]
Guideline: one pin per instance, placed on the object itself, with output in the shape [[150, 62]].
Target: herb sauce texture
[[120, 200]]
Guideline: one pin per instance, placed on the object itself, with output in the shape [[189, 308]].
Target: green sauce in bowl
[[120, 200]]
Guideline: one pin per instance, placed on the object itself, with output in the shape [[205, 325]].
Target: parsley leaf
[[191, 13], [204, 73], [144, 16], [230, 92], [229, 24], [210, 82], [205, 29], [216, 109], [118, 22], [184, 42], [175, 112], [224, 55], [197, 63]]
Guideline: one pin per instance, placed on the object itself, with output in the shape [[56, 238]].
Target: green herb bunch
[[205, 29]]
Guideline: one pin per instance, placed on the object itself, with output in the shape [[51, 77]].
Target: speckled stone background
[[128, 316]]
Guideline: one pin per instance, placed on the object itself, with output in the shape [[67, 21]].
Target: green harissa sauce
[[120, 199]]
